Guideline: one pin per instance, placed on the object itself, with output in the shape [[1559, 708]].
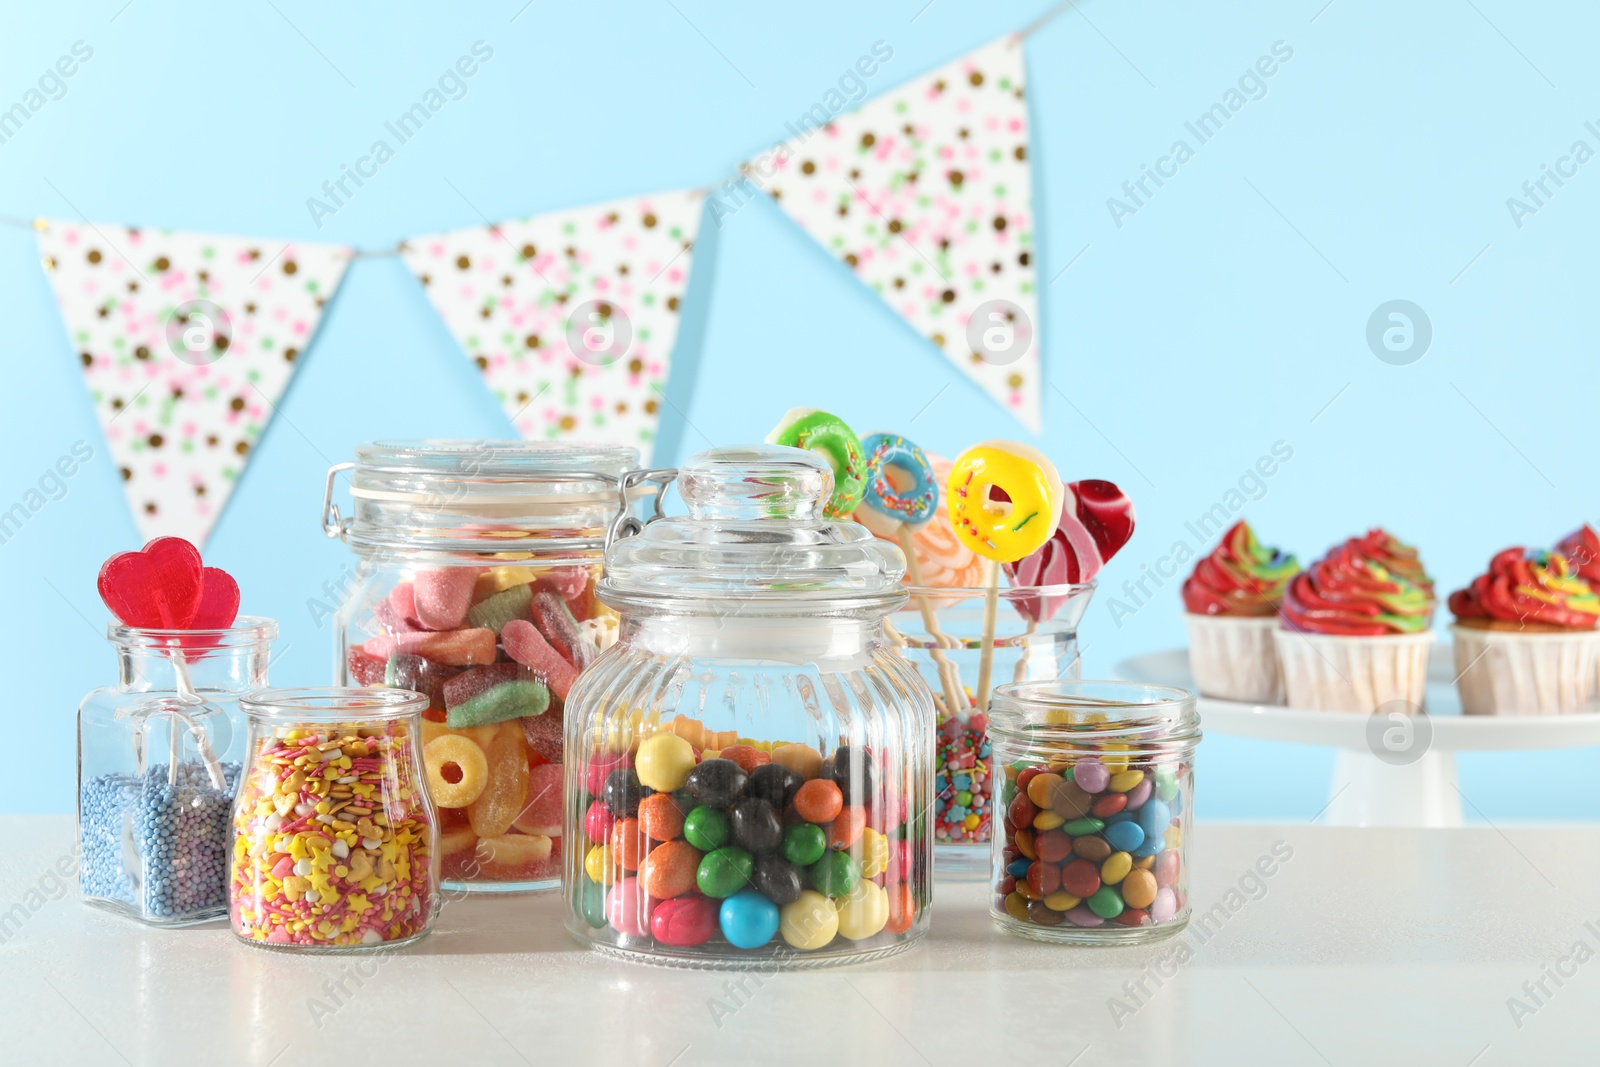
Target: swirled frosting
[[1582, 549], [1537, 589], [1347, 593], [1394, 556], [1241, 576]]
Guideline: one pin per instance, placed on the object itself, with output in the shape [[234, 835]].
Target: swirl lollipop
[[1005, 500], [829, 437]]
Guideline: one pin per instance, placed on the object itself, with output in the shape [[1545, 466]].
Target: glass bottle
[[750, 766], [456, 542], [158, 763]]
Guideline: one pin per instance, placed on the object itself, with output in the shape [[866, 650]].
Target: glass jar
[[1098, 797], [475, 587], [333, 833], [750, 765], [941, 632], [158, 762]]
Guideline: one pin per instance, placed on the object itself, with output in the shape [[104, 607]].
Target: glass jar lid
[[467, 495], [755, 541], [1094, 712], [331, 704]]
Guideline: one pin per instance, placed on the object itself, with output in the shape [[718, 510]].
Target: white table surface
[[1366, 947]]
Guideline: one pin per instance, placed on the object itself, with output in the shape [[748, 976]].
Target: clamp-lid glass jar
[[750, 766], [1098, 795], [475, 586], [158, 763]]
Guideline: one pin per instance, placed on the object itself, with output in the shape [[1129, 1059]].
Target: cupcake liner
[[1326, 672], [1232, 657], [1513, 672]]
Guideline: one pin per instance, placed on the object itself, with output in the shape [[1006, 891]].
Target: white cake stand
[[1387, 771]]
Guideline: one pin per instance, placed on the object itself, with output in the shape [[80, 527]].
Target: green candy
[[1105, 902], [1166, 783], [594, 903], [828, 436], [494, 612], [724, 872], [834, 875], [1079, 827], [706, 828], [804, 843], [508, 700]]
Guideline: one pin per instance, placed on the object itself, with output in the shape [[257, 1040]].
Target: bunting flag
[[925, 193], [571, 316], [187, 342]]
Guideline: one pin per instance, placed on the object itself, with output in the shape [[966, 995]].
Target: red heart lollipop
[[1096, 521], [219, 601], [156, 588]]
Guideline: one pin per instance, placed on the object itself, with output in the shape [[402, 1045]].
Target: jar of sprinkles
[[158, 763], [1097, 791], [334, 845]]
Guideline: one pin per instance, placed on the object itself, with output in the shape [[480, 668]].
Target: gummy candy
[[527, 646], [443, 595], [508, 700], [541, 815], [561, 629], [419, 675], [506, 792], [458, 648], [544, 734], [470, 683], [501, 608]]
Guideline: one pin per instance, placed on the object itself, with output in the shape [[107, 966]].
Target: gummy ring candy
[[468, 758], [915, 504], [829, 437], [1019, 519]]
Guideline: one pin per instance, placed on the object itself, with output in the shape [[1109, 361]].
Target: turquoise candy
[[1124, 836], [1080, 827], [804, 843], [594, 903], [1105, 902], [748, 919], [1154, 818]]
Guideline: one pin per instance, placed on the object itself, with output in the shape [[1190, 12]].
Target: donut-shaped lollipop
[[901, 487], [1005, 498], [829, 437]]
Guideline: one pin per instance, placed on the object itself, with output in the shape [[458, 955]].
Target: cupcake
[[1353, 635], [1394, 556], [1231, 606], [1582, 549], [1525, 634]]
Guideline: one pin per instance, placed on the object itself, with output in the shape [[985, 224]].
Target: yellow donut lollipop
[[1007, 526]]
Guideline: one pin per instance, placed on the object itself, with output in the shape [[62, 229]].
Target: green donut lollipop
[[829, 437]]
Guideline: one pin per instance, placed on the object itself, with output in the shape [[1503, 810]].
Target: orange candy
[[669, 870], [902, 908], [819, 801], [627, 844], [506, 792], [660, 818], [747, 757], [845, 830]]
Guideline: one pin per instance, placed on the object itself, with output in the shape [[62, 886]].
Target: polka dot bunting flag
[[925, 193], [570, 316], [187, 342]]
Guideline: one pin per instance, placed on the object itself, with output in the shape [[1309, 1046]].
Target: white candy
[[371, 937], [302, 868], [347, 779], [312, 896], [370, 842], [272, 822], [302, 810], [340, 849]]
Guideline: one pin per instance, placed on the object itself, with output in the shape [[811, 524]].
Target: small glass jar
[[750, 766], [461, 543], [941, 632], [334, 837], [158, 762], [1098, 797]]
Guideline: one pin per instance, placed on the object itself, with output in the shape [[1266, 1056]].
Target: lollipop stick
[[949, 677], [991, 604]]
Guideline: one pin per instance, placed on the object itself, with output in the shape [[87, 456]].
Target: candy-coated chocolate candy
[[626, 907], [1040, 786], [809, 923], [1143, 863], [706, 828], [1061, 900], [1165, 906], [1117, 763], [1116, 868], [846, 829], [1176, 804], [774, 783], [1139, 889], [1138, 795], [1025, 775], [1132, 917], [754, 826], [874, 853], [902, 908], [627, 844], [1043, 878], [663, 762], [599, 769], [594, 903], [851, 770], [1022, 811], [1124, 836], [804, 843], [1048, 820], [748, 919], [1108, 805], [1082, 916], [1043, 914], [1091, 774], [597, 864], [776, 879], [660, 818], [623, 791], [1028, 843], [1166, 782], [1069, 800], [1018, 868], [1121, 783], [1166, 868], [724, 872], [748, 757], [597, 822], [1087, 825], [1154, 817], [1052, 846], [1093, 849], [1105, 902], [717, 782], [863, 912], [1080, 877], [684, 921], [669, 870], [1173, 836], [1151, 846], [801, 759], [835, 874], [819, 800], [1017, 906]]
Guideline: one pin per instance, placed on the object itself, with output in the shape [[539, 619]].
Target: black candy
[[774, 783], [717, 782], [776, 879], [623, 792], [851, 771], [755, 827]]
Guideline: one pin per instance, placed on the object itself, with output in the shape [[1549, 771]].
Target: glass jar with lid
[[474, 585], [749, 768], [158, 763]]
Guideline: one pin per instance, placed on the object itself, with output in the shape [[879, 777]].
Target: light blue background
[[1224, 316]]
